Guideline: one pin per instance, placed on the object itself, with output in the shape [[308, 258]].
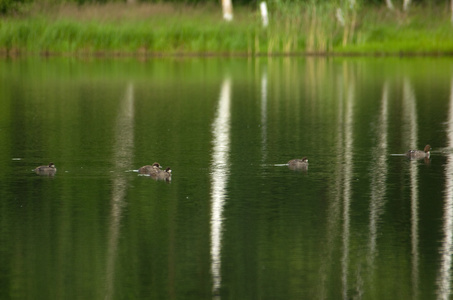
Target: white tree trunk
[[390, 4], [227, 7], [340, 17], [406, 4], [264, 14], [451, 11]]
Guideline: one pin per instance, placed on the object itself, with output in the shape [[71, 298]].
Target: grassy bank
[[149, 29]]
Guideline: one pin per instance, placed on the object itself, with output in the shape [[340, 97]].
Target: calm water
[[234, 222]]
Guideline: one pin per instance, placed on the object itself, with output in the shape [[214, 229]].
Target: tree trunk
[[227, 7], [451, 11], [390, 4], [406, 5], [264, 14]]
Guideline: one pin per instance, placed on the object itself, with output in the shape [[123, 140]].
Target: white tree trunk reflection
[[339, 207], [444, 277], [379, 176], [334, 209], [348, 159], [219, 178], [410, 120], [124, 145], [264, 115]]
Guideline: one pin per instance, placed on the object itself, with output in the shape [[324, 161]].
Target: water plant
[[169, 29]]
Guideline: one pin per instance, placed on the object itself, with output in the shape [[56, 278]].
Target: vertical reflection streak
[[347, 188], [444, 277], [264, 115], [379, 176], [123, 160], [219, 177], [334, 206], [411, 121]]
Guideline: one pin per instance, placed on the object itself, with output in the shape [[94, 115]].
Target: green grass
[[181, 29]]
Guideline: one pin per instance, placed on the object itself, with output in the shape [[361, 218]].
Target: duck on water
[[298, 164], [49, 170], [417, 154], [150, 169]]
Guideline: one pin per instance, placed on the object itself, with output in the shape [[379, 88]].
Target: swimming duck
[[46, 170], [298, 164], [163, 174], [154, 168], [415, 154]]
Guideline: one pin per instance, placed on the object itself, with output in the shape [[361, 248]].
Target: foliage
[[10, 6], [295, 27]]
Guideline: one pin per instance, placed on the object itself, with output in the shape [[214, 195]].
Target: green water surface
[[234, 222]]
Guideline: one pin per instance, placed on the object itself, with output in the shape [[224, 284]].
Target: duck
[[46, 170], [163, 174], [298, 164], [150, 169], [416, 154]]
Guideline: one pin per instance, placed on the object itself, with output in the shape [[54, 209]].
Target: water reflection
[[219, 177], [446, 250], [346, 229], [347, 170], [338, 220], [124, 143], [379, 172], [264, 115], [411, 129]]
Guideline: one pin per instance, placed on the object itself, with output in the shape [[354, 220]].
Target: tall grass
[[302, 27]]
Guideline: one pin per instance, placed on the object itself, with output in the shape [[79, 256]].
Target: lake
[[234, 222]]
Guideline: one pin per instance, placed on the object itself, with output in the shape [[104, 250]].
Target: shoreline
[[119, 54], [161, 30]]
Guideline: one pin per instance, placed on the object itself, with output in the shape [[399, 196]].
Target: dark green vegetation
[[155, 29]]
